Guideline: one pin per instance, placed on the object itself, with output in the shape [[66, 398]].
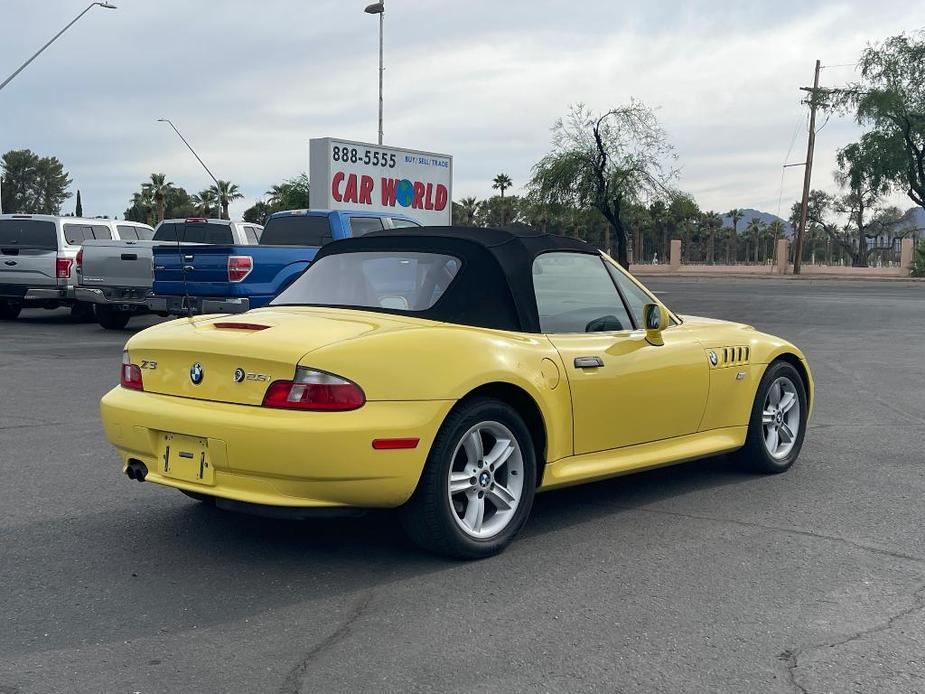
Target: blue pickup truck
[[194, 279]]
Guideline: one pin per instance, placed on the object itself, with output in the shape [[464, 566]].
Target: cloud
[[250, 83]]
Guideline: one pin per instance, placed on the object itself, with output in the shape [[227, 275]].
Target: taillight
[[63, 267], [130, 376], [315, 390], [80, 260], [239, 267]]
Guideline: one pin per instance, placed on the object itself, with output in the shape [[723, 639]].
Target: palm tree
[[712, 222], [736, 215], [755, 228], [203, 201], [226, 192], [470, 208], [776, 228], [144, 201], [502, 182], [160, 186], [277, 194]]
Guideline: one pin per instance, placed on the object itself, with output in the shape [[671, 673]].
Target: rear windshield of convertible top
[[28, 233], [396, 281]]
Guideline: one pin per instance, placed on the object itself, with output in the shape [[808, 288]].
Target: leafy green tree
[[226, 192], [890, 99], [291, 194], [257, 213], [918, 262], [79, 210], [33, 184], [501, 182], [606, 162], [497, 211]]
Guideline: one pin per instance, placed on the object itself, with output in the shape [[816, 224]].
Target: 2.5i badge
[[240, 375]]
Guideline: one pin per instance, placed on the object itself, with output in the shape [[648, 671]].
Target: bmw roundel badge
[[239, 375], [713, 358], [196, 373]]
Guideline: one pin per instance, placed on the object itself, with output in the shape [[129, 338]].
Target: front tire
[[778, 421], [111, 319], [478, 484], [9, 311]]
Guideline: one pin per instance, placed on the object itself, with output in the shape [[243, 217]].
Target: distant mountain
[[749, 214]]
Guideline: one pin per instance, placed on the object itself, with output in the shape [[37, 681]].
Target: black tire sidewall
[[110, 319], [9, 311], [431, 495], [755, 448]]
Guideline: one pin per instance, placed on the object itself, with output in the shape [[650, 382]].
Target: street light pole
[[379, 8], [198, 158], [54, 38]]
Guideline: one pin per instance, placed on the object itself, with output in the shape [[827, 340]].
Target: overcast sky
[[250, 82]]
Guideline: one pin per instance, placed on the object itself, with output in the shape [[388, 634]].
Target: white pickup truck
[[38, 258], [116, 276]]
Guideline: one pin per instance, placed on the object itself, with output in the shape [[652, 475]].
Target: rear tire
[[82, 312], [111, 319], [478, 483], [778, 421], [9, 311]]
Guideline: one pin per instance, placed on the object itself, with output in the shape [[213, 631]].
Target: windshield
[[390, 280], [28, 233]]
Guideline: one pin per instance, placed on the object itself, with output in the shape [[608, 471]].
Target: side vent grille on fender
[[737, 355]]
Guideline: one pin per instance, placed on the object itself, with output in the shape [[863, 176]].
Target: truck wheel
[[82, 313], [111, 319], [9, 311]]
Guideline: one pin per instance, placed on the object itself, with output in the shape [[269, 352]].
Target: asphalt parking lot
[[698, 578]]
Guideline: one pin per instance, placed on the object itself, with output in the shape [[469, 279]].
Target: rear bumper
[[113, 296], [25, 293], [196, 305], [277, 457]]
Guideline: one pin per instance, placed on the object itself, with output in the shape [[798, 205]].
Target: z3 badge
[[147, 364]]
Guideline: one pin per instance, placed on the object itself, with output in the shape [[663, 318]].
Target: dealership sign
[[348, 175]]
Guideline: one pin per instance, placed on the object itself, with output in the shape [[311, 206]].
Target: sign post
[[347, 175]]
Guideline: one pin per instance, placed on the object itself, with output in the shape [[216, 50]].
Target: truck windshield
[[396, 281], [194, 232], [296, 230], [28, 233]]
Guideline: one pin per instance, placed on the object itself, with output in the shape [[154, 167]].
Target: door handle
[[129, 256], [588, 362], [188, 268]]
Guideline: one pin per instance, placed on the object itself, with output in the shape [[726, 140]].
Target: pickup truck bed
[[233, 278]]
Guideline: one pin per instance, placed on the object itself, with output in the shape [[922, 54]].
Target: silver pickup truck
[[116, 276], [38, 259]]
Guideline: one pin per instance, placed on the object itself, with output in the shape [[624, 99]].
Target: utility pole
[[379, 9], [808, 173]]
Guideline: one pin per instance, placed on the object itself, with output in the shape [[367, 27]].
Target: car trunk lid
[[235, 358]]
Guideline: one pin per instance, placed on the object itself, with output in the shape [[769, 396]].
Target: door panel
[[641, 393]]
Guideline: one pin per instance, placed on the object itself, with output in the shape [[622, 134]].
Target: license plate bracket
[[186, 458]]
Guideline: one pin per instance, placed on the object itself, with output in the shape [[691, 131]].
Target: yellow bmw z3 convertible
[[454, 373]]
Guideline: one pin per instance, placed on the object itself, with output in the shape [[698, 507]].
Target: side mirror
[[656, 320]]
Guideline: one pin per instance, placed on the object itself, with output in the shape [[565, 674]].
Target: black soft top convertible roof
[[494, 286]]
